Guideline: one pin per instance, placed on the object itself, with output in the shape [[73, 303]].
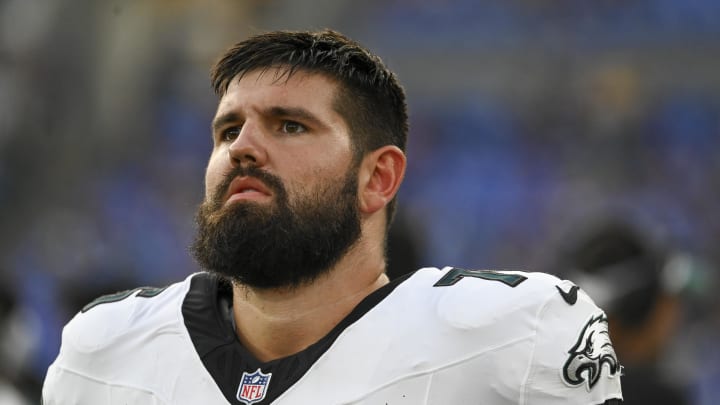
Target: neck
[[275, 323]]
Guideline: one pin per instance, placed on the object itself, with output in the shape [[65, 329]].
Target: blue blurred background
[[529, 118]]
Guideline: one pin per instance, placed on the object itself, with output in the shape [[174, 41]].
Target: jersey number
[[145, 292], [455, 275]]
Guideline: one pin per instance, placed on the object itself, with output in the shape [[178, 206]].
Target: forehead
[[275, 87]]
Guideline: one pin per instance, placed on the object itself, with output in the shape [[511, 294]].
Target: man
[[294, 306], [639, 282]]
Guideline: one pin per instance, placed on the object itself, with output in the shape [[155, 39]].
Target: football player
[[293, 305]]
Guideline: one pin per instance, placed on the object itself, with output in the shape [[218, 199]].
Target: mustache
[[271, 181]]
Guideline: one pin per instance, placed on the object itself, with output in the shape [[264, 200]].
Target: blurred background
[[533, 122]]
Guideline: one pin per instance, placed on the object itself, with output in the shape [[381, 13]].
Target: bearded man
[[293, 305]]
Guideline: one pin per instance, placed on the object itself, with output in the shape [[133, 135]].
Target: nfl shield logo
[[253, 387]]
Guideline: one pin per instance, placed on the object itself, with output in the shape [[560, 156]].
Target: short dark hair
[[369, 98]]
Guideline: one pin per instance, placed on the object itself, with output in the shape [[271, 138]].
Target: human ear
[[380, 175]]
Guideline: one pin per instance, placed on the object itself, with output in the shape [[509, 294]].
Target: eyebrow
[[298, 113], [226, 118], [295, 113]]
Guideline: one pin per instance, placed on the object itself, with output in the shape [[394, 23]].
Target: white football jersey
[[437, 336]]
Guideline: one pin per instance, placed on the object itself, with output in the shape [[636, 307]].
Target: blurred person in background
[[295, 304], [633, 278], [17, 344]]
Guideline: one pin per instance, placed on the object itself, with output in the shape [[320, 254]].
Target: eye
[[292, 127], [230, 134]]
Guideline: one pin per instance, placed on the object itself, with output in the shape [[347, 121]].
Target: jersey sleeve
[[573, 360]]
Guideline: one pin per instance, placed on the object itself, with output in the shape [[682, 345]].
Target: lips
[[247, 188]]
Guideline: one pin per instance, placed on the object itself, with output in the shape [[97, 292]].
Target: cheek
[[208, 186], [324, 181], [310, 178], [213, 175]]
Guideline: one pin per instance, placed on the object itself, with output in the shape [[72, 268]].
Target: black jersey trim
[[209, 323]]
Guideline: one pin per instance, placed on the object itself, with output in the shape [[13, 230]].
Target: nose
[[248, 148]]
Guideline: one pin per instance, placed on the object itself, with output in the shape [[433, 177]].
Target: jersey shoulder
[[121, 315], [115, 333], [133, 347], [569, 353], [498, 295], [130, 345]]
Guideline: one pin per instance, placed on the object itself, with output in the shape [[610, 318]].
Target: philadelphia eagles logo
[[592, 350]]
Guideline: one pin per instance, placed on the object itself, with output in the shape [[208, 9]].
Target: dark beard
[[277, 244]]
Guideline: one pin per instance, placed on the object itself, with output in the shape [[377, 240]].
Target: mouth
[[247, 189]]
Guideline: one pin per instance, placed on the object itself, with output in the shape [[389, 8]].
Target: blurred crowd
[[530, 121]]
